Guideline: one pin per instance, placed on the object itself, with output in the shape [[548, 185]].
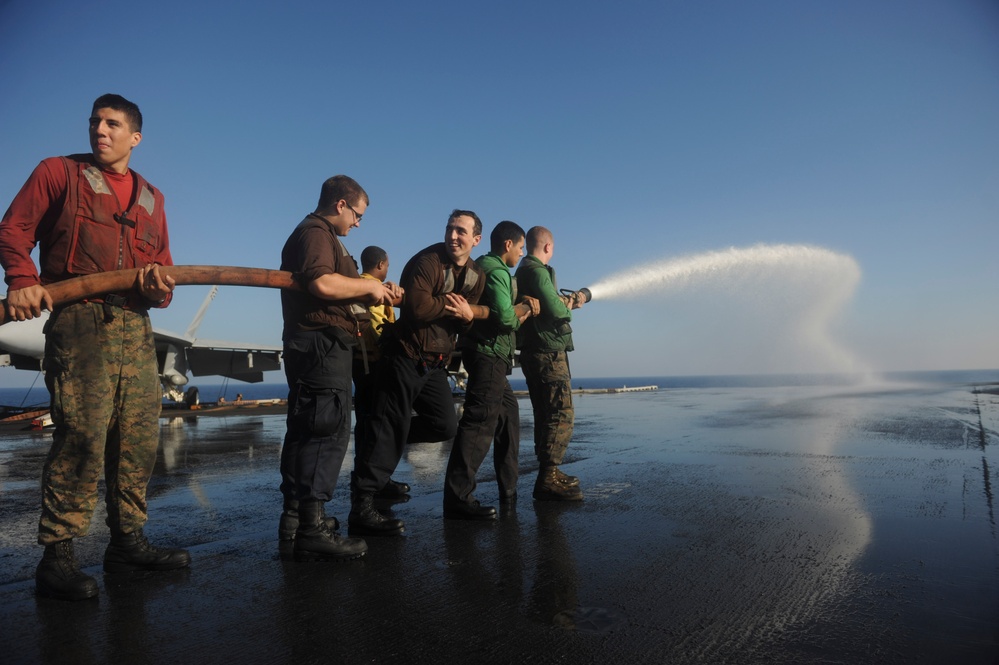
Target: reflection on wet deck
[[727, 524]]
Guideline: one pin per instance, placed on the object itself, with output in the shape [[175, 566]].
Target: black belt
[[109, 301], [114, 300]]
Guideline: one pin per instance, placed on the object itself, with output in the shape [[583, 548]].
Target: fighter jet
[[22, 345]]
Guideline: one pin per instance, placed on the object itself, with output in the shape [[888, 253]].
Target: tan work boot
[[568, 481], [548, 487]]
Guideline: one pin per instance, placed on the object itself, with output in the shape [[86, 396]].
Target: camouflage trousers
[[103, 381], [550, 387]]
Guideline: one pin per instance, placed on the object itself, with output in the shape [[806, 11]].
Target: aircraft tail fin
[[196, 322]]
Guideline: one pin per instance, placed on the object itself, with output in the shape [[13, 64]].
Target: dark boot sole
[[482, 514], [58, 595], [368, 531], [470, 518], [114, 568], [318, 556], [392, 494], [547, 496]]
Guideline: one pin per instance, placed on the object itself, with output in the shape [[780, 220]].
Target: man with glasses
[[321, 325]]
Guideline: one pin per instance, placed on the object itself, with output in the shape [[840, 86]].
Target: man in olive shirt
[[545, 341], [491, 413]]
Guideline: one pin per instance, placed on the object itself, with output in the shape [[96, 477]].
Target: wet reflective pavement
[[740, 525]]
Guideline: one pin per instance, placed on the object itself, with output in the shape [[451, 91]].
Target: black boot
[[365, 520], [549, 488], [393, 490], [468, 510], [59, 575], [315, 541], [288, 524], [131, 551]]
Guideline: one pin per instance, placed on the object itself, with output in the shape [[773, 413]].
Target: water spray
[[790, 295]]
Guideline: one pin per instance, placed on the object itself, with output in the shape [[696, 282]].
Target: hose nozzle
[[584, 292]]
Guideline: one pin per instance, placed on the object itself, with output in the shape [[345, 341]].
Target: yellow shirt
[[380, 315]]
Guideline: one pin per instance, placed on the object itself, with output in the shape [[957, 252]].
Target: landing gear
[[191, 397]]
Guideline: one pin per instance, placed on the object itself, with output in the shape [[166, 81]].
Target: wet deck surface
[[763, 525]]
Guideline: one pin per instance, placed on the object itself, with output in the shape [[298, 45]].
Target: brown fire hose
[[121, 280]]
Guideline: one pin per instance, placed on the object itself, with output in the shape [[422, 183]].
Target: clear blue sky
[[636, 131]]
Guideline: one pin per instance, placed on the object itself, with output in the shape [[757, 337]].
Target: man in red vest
[[90, 213]]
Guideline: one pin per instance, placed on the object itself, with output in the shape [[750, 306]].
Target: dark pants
[[364, 393], [491, 416], [317, 365], [403, 385]]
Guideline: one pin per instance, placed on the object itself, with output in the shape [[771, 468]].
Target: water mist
[[790, 294]]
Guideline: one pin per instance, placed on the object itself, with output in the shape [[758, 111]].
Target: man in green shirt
[[545, 341], [491, 414]]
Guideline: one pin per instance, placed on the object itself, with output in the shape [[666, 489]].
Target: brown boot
[[59, 575], [548, 487], [568, 481]]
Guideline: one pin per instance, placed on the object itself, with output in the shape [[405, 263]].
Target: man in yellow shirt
[[374, 265]]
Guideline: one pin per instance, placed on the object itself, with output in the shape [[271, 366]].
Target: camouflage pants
[[550, 387], [103, 381]]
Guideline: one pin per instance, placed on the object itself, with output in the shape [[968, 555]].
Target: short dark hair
[[119, 103], [341, 187], [371, 256], [476, 228], [505, 230]]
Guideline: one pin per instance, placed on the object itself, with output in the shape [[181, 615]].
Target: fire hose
[[87, 286]]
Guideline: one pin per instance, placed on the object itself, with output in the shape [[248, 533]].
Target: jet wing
[[22, 346], [244, 362]]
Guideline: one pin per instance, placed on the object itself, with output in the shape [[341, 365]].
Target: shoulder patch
[[96, 180], [147, 200]]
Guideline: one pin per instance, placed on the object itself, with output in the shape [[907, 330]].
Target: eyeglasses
[[357, 218]]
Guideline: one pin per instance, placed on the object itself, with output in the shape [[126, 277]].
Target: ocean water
[[38, 396]]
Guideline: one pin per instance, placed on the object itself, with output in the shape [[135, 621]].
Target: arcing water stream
[[798, 288]]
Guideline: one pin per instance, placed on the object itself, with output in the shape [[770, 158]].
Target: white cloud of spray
[[783, 300]]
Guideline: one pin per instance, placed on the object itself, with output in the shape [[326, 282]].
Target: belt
[[110, 301]]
